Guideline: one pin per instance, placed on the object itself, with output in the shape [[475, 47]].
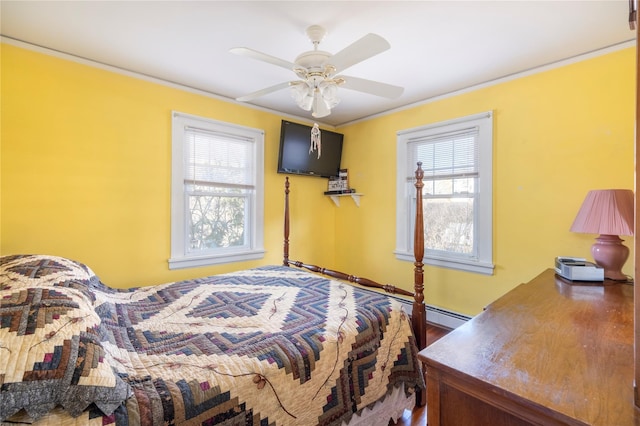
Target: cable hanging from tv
[[316, 142]]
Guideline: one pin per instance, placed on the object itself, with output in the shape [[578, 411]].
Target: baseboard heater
[[438, 316]]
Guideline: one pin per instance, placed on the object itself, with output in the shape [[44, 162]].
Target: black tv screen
[[295, 158]]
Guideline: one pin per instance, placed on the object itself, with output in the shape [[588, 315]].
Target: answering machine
[[578, 269]]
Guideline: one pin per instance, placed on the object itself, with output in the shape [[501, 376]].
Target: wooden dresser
[[548, 352]]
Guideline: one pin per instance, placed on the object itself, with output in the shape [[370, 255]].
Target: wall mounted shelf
[[355, 196]]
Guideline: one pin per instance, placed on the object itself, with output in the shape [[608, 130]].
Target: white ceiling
[[437, 47]]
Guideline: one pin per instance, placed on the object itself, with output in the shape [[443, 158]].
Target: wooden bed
[[272, 345]]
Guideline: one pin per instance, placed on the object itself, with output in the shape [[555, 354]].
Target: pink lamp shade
[[608, 212]]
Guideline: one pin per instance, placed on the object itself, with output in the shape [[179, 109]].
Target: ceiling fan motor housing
[[312, 60]]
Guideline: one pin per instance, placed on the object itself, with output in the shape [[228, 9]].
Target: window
[[216, 192], [456, 157]]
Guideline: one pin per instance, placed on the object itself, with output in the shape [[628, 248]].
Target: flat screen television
[[294, 156]]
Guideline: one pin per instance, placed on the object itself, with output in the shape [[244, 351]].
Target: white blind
[[446, 155], [217, 159]]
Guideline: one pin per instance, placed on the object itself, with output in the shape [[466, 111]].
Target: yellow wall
[[86, 164], [86, 167], [557, 134]]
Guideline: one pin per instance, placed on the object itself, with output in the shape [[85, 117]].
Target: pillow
[[50, 352], [36, 270]]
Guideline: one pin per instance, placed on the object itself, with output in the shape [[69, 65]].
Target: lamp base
[[609, 253]]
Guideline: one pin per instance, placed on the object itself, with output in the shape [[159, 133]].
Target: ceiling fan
[[317, 70]]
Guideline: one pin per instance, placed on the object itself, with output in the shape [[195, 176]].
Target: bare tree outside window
[[448, 225], [216, 221], [449, 215]]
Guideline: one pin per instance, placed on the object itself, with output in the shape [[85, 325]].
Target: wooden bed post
[[419, 314], [285, 260]]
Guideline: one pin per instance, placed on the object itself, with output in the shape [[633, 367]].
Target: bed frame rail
[[351, 278]]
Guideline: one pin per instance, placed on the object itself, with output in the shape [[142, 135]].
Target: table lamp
[[608, 212]]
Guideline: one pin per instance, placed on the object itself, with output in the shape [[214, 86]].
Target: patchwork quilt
[[267, 346]]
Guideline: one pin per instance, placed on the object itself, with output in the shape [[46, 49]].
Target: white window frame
[[482, 261], [181, 257]]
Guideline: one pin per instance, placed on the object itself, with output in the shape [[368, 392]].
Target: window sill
[[207, 260], [478, 267]]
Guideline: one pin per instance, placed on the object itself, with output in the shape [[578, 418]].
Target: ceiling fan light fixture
[[320, 107], [329, 92], [301, 93]]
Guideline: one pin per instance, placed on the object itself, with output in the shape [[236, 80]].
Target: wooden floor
[[419, 414]]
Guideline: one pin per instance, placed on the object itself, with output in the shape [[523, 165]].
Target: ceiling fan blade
[[372, 87], [250, 53], [262, 92], [368, 46]]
